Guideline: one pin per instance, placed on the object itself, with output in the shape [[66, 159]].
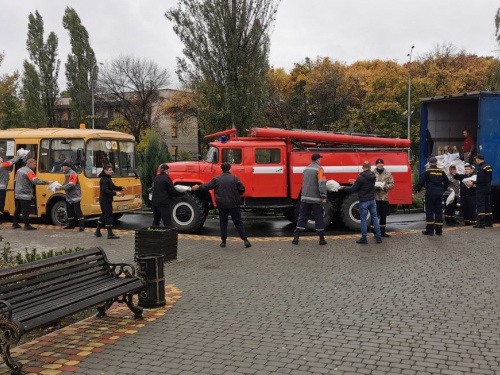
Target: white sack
[[332, 185], [22, 153], [380, 185], [53, 186], [465, 180], [182, 188], [450, 198]]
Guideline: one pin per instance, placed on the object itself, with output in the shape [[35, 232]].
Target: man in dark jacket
[[107, 190], [228, 191], [436, 183], [365, 186], [467, 194], [163, 192], [483, 193]]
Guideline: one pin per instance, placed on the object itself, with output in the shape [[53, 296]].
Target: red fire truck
[[270, 162]]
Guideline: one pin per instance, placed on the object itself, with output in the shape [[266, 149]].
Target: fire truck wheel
[[289, 214], [311, 225], [187, 213], [349, 212]]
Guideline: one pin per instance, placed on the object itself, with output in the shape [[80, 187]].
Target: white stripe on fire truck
[[268, 170], [354, 169]]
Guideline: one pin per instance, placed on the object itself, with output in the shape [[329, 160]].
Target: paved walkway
[[413, 305]]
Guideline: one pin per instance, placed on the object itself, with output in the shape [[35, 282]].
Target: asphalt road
[[267, 226]]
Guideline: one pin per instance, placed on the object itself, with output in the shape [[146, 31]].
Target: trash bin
[[150, 268], [156, 240]]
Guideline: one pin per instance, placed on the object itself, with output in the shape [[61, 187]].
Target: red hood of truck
[[185, 170]]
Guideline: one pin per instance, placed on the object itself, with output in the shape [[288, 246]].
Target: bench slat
[[52, 279], [77, 306], [26, 301], [40, 264], [14, 281]]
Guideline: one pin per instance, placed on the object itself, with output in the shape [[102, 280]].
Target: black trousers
[[22, 206], [106, 218], [468, 205], [74, 211], [162, 213], [237, 221], [449, 210], [3, 193], [304, 212], [434, 213], [382, 213], [483, 205]]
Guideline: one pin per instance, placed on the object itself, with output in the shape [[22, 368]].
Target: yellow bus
[[87, 151]]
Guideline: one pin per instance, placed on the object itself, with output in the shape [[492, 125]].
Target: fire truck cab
[[270, 162]]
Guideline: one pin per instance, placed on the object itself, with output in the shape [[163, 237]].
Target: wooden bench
[[36, 294]]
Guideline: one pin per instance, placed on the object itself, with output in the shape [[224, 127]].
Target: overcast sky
[[344, 30]]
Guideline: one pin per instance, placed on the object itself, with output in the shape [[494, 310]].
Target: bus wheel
[[188, 213], [349, 212], [58, 213], [117, 217]]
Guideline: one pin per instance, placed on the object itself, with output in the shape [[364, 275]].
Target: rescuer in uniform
[[4, 181], [107, 191], [467, 195], [382, 195], [163, 192], [73, 197], [436, 183], [365, 186], [468, 146], [228, 191], [25, 179], [483, 193], [449, 209], [313, 197]]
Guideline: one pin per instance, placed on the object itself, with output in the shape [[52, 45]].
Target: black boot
[[111, 235], [98, 230], [81, 225], [322, 239], [480, 223], [295, 238], [382, 230]]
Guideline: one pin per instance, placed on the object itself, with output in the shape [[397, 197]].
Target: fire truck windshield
[[212, 155]]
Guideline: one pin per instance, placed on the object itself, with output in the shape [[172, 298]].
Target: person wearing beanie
[[483, 193], [228, 191], [73, 197], [163, 192], [108, 190], [313, 197], [382, 175], [436, 183]]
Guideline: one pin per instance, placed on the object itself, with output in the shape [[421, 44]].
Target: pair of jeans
[[364, 207]]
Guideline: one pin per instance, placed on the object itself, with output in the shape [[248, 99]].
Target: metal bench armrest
[[119, 269], [5, 310]]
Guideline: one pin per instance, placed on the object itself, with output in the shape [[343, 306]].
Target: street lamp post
[[409, 90], [92, 80]]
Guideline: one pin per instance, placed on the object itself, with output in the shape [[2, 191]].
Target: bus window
[[59, 151], [119, 154]]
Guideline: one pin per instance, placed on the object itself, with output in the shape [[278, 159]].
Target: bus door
[[33, 154]]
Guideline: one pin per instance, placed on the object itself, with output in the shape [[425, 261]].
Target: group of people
[[475, 196], [372, 188], [23, 193]]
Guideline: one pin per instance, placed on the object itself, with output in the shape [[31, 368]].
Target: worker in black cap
[[163, 192], [382, 175], [436, 183], [467, 194], [483, 193], [313, 198], [228, 191]]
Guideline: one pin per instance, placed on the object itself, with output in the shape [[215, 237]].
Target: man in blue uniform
[[483, 193]]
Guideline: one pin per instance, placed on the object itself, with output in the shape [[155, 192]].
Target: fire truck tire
[[311, 225], [349, 212], [188, 213], [289, 214]]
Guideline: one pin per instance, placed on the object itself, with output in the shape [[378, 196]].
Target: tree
[[226, 48], [46, 66], [79, 67], [130, 87], [34, 114], [181, 108], [10, 105], [155, 154]]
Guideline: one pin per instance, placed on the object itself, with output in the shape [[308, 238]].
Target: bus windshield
[[119, 154]]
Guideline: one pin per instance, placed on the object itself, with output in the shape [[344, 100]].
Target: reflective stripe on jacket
[[25, 179], [313, 184]]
